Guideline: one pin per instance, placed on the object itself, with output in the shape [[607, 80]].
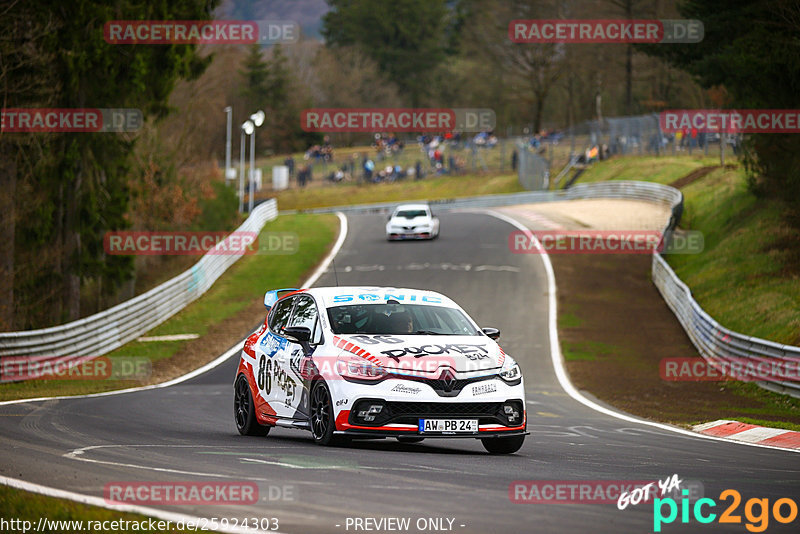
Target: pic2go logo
[[757, 522]]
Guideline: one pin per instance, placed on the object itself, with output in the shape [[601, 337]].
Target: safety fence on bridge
[[103, 332]]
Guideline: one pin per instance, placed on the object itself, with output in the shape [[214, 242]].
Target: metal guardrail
[[621, 189], [723, 348], [103, 332], [716, 344]]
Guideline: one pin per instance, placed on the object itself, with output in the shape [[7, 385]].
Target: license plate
[[449, 426]]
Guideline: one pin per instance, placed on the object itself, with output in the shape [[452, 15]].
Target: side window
[[305, 314], [279, 315]]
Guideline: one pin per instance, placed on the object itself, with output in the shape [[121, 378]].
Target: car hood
[[424, 354], [402, 221]]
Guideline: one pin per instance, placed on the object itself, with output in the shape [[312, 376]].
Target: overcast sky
[[307, 13]]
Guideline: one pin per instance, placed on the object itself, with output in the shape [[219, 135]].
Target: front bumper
[[401, 418], [405, 402], [398, 236]]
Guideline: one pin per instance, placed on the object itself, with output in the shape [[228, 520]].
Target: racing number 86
[[264, 377]]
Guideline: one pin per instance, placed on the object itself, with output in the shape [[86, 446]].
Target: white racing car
[[412, 221], [351, 362]]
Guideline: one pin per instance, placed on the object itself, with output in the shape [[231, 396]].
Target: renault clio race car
[[353, 362], [412, 221]]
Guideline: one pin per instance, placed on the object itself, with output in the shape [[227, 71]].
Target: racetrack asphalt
[[186, 432]]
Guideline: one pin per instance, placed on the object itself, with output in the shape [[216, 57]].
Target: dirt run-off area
[[615, 328]]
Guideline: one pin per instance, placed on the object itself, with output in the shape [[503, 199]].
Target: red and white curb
[[774, 437]]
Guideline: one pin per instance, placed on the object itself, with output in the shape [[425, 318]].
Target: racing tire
[[244, 412], [322, 418], [508, 445], [409, 439]]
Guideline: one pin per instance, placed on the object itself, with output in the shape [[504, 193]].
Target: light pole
[[247, 128], [256, 119], [228, 111]]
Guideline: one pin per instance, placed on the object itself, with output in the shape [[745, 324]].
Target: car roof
[[412, 207], [344, 295]]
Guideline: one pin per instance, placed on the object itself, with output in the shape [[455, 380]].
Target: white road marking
[[497, 268], [131, 508], [332, 254], [80, 455], [153, 512], [295, 466], [558, 360], [227, 354], [431, 267]]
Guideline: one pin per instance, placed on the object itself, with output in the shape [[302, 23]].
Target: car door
[[434, 223], [290, 377], [269, 351]]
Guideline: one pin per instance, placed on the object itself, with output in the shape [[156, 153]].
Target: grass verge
[[63, 515], [746, 277], [228, 310], [663, 169], [432, 188], [743, 278]]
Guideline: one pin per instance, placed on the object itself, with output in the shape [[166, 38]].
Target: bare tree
[[22, 27], [533, 68]]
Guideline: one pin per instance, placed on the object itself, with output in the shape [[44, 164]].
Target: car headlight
[[510, 372], [359, 369]]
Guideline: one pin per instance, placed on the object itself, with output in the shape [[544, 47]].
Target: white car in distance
[[412, 221]]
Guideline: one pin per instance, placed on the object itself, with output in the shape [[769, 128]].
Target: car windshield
[[410, 214], [400, 319]]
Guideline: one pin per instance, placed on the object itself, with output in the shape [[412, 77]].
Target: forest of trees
[[59, 193]]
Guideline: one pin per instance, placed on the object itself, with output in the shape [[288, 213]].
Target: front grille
[[443, 388], [429, 409]]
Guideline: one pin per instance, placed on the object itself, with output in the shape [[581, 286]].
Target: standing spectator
[[369, 166], [304, 175], [418, 170], [289, 162]]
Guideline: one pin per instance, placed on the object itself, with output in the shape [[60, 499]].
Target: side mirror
[[297, 334], [492, 333], [300, 335]]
